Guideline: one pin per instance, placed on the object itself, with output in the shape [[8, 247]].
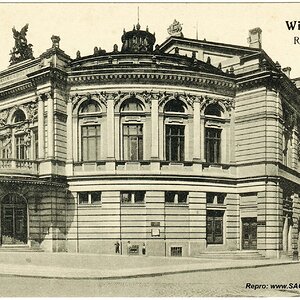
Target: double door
[[214, 226], [14, 224]]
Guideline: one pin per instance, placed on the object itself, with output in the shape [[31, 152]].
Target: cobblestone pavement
[[230, 283]]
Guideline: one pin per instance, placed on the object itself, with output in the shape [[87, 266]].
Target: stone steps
[[19, 248], [245, 255]]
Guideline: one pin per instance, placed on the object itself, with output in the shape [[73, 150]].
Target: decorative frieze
[[147, 96]]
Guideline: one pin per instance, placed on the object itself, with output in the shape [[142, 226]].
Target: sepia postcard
[[149, 149]]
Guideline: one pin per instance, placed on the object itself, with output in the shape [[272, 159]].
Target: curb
[[150, 274]]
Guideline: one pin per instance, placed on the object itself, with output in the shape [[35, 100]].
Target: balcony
[[16, 166]]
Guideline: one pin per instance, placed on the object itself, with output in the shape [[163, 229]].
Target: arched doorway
[[13, 220]]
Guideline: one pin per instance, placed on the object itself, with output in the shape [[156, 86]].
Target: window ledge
[[133, 204], [177, 204], [89, 205]]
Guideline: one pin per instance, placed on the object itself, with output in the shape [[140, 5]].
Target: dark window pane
[[182, 197], [213, 110], [83, 198], [169, 197], [19, 116], [212, 145], [175, 106], [139, 196], [95, 197]]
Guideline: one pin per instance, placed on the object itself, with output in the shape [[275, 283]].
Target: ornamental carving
[[175, 29], [148, 96], [227, 102], [32, 111], [6, 143], [3, 117]]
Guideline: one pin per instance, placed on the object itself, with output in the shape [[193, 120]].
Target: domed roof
[[137, 40]]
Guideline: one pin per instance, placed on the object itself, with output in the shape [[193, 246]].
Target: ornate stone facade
[[170, 145]]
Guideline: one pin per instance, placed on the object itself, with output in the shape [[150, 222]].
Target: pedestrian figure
[[144, 249], [117, 247], [128, 247]]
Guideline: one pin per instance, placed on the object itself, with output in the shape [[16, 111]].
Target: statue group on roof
[[21, 51]]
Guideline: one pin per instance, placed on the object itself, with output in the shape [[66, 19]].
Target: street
[[230, 283]]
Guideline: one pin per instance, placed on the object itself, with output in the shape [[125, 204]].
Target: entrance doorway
[[249, 233], [13, 220], [214, 226]]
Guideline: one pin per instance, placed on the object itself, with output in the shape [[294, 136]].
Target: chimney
[[287, 71], [254, 38]]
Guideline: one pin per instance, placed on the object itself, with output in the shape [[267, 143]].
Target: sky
[[82, 26]]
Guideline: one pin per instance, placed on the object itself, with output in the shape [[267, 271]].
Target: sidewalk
[[92, 266]]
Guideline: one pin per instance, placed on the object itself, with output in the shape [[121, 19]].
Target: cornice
[[208, 82]]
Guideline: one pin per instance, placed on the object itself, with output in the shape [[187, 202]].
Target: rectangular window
[[213, 145], [215, 198], [90, 142], [176, 197], [176, 251], [175, 143], [133, 197], [133, 142], [89, 198], [21, 148]]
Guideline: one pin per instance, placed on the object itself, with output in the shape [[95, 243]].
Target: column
[[50, 123], [110, 129], [197, 143], [69, 131], [154, 129], [41, 128]]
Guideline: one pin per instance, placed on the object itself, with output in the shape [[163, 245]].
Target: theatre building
[[184, 148]]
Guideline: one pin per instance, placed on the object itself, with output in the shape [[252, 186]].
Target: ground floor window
[[89, 198], [176, 197], [132, 197], [214, 226]]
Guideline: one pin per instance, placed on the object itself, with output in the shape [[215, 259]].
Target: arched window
[[132, 124], [175, 106], [174, 130], [213, 130], [90, 130], [21, 138], [131, 104], [19, 116], [213, 110], [89, 107]]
